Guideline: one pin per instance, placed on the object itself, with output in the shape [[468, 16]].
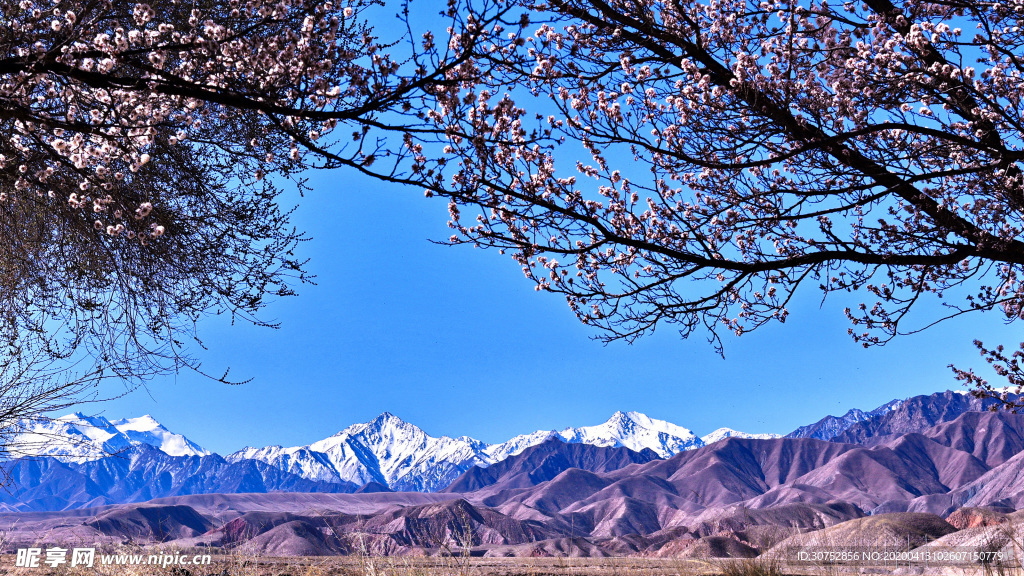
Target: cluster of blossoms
[[94, 91], [696, 162]]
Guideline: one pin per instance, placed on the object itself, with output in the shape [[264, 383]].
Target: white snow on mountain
[[498, 452], [635, 431], [386, 450], [146, 430], [1000, 390], [398, 454], [297, 460], [723, 433], [78, 438]]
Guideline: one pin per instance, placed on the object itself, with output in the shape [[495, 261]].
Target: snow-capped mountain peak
[[723, 433], [78, 437], [383, 424], [387, 450], [635, 431], [146, 430], [143, 423]]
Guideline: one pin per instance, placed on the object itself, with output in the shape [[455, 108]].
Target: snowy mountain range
[[80, 438], [390, 453], [387, 450], [397, 454]]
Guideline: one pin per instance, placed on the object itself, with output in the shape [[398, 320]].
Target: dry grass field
[[240, 564]]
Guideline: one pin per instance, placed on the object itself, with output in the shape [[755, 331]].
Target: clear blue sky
[[456, 341]]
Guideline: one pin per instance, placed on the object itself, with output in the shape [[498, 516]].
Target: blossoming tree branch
[[699, 162]]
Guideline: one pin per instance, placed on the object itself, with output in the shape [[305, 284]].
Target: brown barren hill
[[1000, 487], [902, 531], [974, 517], [297, 538], [717, 547], [151, 523], [992, 437]]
